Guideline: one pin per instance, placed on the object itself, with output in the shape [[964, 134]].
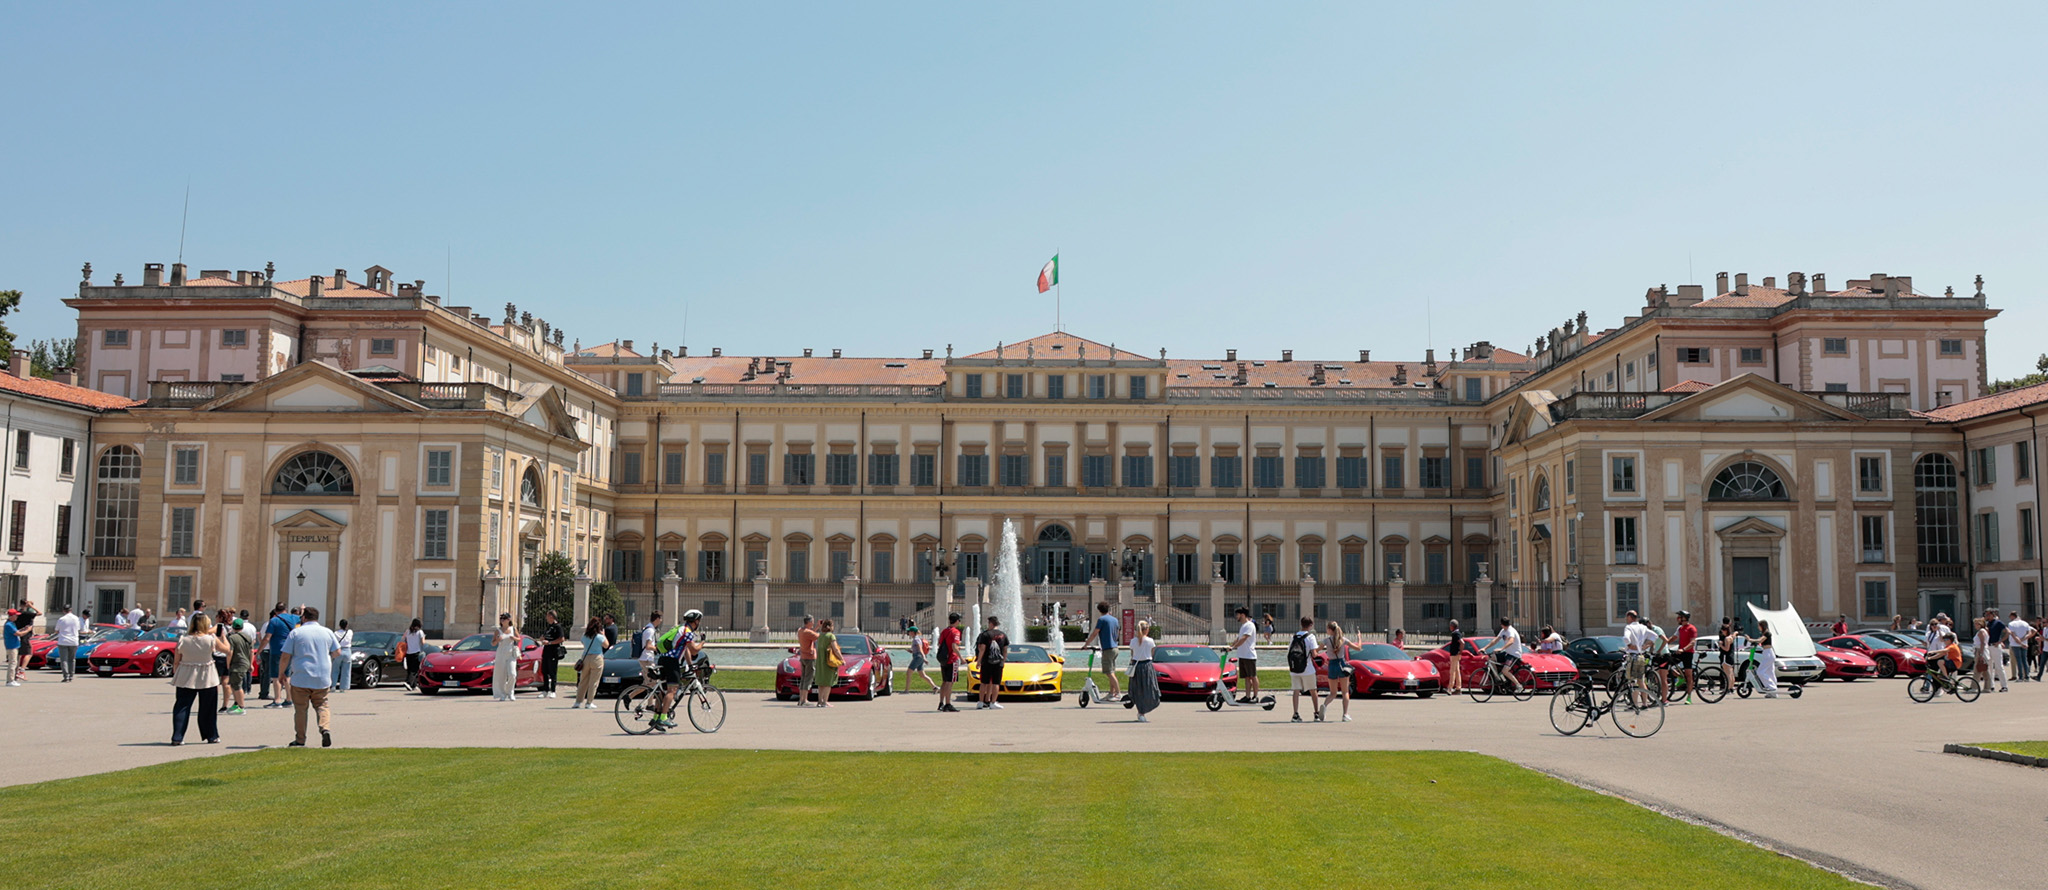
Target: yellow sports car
[[1030, 671]]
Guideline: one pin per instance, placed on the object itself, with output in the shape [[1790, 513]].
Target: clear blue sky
[[889, 177]]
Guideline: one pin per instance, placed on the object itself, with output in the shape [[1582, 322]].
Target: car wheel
[[163, 666], [1886, 667], [868, 691], [373, 673]]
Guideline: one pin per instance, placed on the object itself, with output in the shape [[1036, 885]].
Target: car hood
[[1846, 656], [130, 648], [459, 660], [1020, 668], [1186, 671], [1548, 662], [1390, 667]]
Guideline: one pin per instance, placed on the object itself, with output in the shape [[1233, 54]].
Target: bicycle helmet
[[693, 615]]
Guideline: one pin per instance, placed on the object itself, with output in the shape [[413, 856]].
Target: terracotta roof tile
[[1060, 345], [1300, 372], [813, 371], [1991, 404], [1776, 296], [610, 350], [347, 290], [1688, 386], [51, 390]]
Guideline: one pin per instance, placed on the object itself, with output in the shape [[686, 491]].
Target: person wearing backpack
[[991, 650], [1301, 668]]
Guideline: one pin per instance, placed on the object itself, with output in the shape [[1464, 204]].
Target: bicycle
[[1709, 689], [1519, 682], [1631, 707], [636, 708], [1922, 689]]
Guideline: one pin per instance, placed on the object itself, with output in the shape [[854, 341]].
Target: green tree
[[605, 600], [10, 300], [552, 588], [47, 357], [2040, 375]]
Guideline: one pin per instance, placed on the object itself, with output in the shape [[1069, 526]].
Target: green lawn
[[2031, 749], [573, 818]]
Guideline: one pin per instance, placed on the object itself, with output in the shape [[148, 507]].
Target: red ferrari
[[1378, 668], [1844, 664], [869, 670], [1887, 659], [468, 665], [1190, 670], [149, 653], [43, 649], [1551, 669]]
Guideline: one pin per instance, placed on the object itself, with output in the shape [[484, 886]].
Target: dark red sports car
[[1550, 669], [1888, 659], [1188, 670], [1378, 668], [869, 670], [467, 665]]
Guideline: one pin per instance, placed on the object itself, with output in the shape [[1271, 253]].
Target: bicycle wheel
[[707, 708], [1967, 688], [1675, 687], [1713, 685], [1637, 711], [1920, 689], [1571, 709], [1654, 682], [1524, 686], [635, 710], [1482, 691]]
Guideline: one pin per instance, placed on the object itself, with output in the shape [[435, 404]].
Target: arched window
[[1543, 492], [117, 502], [313, 472], [1055, 534], [1747, 480], [529, 488], [1937, 523]]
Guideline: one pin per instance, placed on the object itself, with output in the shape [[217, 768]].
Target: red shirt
[[949, 645], [1686, 634], [1841, 628]]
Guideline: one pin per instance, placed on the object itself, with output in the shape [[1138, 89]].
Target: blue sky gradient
[[885, 178]]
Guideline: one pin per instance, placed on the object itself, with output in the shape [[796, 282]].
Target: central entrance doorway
[[1750, 577]]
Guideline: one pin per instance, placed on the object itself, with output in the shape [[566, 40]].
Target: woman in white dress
[[505, 673], [1766, 661]]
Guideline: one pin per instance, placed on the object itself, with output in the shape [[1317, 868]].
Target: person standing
[[590, 670], [611, 630], [275, 632], [1687, 640], [950, 643], [505, 671], [1266, 627], [806, 654], [241, 653], [1454, 666], [1247, 656], [412, 647], [135, 616], [1301, 669], [67, 629], [1766, 661], [17, 650], [343, 668], [1337, 658], [644, 646], [1841, 625], [1144, 677], [2019, 635], [1106, 633], [919, 648], [991, 650], [195, 680], [1994, 632], [551, 639], [826, 662], [308, 653]]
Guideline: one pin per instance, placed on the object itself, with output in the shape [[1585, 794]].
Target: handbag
[[833, 658]]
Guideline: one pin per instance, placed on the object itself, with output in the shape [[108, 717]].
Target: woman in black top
[[1454, 665]]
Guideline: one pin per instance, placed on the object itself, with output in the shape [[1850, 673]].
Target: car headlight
[[1372, 669], [147, 650], [359, 657]]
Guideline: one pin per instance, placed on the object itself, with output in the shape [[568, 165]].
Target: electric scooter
[[1222, 696], [1093, 694]]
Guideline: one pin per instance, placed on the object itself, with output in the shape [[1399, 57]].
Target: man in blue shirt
[[312, 648], [272, 641], [1107, 633]]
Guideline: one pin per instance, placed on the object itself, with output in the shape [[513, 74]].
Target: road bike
[[1923, 688], [637, 705], [1631, 707], [1519, 682]]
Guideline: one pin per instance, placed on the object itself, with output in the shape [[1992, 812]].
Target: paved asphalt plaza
[[1850, 776]]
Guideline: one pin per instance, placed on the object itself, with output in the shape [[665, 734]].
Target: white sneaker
[[1143, 719], [1347, 718], [14, 682], [996, 705]]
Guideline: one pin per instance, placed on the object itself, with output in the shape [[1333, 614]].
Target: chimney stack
[[835, 353], [927, 353], [1770, 281], [807, 352], [340, 278], [1287, 355], [1400, 375], [313, 285], [1316, 378], [1742, 283], [1365, 355], [1820, 283], [717, 351], [152, 274], [1720, 283], [625, 346], [177, 274], [1795, 283], [1230, 355], [1429, 362], [20, 364], [67, 376]]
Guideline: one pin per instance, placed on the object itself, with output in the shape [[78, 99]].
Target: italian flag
[[1050, 275]]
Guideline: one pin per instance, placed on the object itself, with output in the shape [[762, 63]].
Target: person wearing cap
[[241, 657], [1686, 638]]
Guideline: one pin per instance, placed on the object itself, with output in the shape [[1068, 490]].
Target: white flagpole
[[1057, 323]]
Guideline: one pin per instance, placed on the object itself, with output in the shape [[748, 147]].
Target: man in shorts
[[1247, 656], [1637, 640], [681, 649], [1106, 633], [806, 656], [991, 650], [1303, 682], [949, 661], [1681, 658]]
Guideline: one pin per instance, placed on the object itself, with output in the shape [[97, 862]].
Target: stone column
[[1126, 593], [972, 593], [942, 601], [757, 631], [1218, 634], [582, 598], [1308, 593], [488, 597], [671, 595], [850, 593], [1570, 606], [1482, 590], [1098, 591], [1397, 607]]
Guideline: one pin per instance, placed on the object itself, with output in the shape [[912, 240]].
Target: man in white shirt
[[67, 627], [1303, 682], [120, 618], [648, 637], [1637, 641], [2017, 630], [1506, 646], [1247, 656], [178, 621], [135, 617]]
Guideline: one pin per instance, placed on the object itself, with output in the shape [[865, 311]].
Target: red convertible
[[149, 653], [468, 665], [1550, 669], [868, 671], [1190, 670], [1888, 659], [1378, 668]]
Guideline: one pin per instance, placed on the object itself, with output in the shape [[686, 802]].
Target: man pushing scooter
[[1247, 657]]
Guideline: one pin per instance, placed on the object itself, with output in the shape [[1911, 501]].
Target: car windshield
[[622, 649], [1027, 654], [853, 644], [475, 643], [1891, 641], [1609, 644], [115, 636], [1184, 655], [1378, 652], [377, 639], [164, 634]]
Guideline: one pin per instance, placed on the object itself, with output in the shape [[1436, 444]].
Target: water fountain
[[1008, 602]]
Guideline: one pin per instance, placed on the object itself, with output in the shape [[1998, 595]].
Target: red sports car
[[1888, 659], [1550, 668], [1378, 668], [468, 665], [43, 649], [1844, 664], [1190, 670], [149, 653], [869, 670]]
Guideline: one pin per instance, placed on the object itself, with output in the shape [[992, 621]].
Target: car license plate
[[1410, 682], [451, 682], [1198, 684], [1013, 684]]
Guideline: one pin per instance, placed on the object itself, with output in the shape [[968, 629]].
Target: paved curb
[[1989, 754]]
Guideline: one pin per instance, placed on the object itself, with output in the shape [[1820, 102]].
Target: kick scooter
[[1222, 696], [1093, 694]]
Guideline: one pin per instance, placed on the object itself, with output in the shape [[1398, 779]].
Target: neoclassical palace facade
[[352, 441]]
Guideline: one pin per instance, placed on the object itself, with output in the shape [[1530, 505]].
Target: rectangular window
[[974, 386], [184, 465], [63, 530], [1473, 388], [796, 609], [1475, 471], [2026, 533], [113, 337], [1015, 470], [710, 565], [497, 530], [882, 567], [1628, 597], [1225, 564], [636, 384], [974, 470], [1752, 355], [1013, 386], [1951, 347], [1056, 386], [1870, 474], [1184, 471], [1183, 569], [1308, 472], [1268, 471], [757, 468], [17, 532], [1352, 565], [1137, 471], [1834, 345], [1990, 593], [1351, 472], [67, 458], [383, 346], [440, 467], [1623, 476], [1435, 472], [21, 445], [841, 562], [2022, 459], [924, 470], [1624, 540], [714, 468], [184, 527], [234, 338], [1390, 471], [1056, 470], [1571, 542], [1873, 538], [1098, 386], [497, 470], [799, 469], [1312, 564], [1877, 597], [1095, 471], [1692, 355], [1226, 471], [1394, 565], [1986, 460], [1434, 569], [1269, 567], [799, 561], [1987, 537], [672, 468], [1837, 387], [839, 469], [882, 469], [434, 535], [1137, 387], [178, 592], [882, 608], [629, 468]]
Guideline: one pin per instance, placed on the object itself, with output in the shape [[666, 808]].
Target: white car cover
[[1789, 638]]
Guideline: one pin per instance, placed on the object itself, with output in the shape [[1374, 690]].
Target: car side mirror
[[447, 647]]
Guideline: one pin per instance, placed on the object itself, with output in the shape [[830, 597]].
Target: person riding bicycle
[[1506, 647], [683, 645]]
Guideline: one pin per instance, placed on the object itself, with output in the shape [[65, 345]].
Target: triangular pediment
[[313, 386], [1750, 527], [1060, 346], [1528, 416], [309, 519], [1750, 398], [541, 406]]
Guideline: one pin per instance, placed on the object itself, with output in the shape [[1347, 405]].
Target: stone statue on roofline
[[511, 314]]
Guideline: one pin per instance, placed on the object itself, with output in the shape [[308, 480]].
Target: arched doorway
[[1054, 556]]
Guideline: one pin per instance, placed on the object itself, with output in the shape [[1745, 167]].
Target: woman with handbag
[[825, 673], [1337, 651], [590, 670], [1144, 677]]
